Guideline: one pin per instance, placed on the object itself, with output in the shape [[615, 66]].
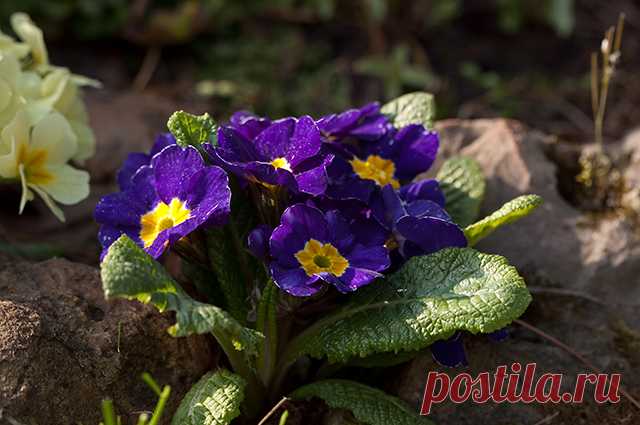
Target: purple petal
[[428, 189], [267, 173], [172, 168], [132, 164], [248, 124], [162, 141], [333, 124], [258, 241], [422, 208], [313, 181], [374, 258], [299, 224], [233, 146], [340, 235], [125, 208], [108, 234], [294, 280], [394, 209], [371, 129], [450, 352], [430, 234], [273, 142], [208, 196], [352, 279], [305, 141], [415, 149], [499, 335]]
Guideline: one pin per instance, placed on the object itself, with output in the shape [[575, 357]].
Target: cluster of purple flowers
[[343, 188]]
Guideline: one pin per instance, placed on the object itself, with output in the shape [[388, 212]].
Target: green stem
[[268, 326], [255, 391], [162, 401]]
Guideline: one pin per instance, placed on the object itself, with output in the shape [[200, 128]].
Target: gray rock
[[63, 348]]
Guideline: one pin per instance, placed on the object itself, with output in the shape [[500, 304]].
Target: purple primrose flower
[[165, 201], [137, 160], [366, 123], [310, 248], [401, 155], [285, 153], [419, 223]]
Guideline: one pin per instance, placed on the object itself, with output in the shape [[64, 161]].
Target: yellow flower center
[[161, 218], [34, 161], [317, 257], [281, 163], [376, 168]]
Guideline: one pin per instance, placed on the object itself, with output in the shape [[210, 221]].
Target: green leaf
[[369, 405], [412, 108], [214, 400], [190, 129], [129, 272], [513, 210], [428, 299], [463, 185]]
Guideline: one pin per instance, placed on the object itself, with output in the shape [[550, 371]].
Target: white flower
[[37, 154]]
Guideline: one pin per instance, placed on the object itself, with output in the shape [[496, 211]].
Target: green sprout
[[109, 416]]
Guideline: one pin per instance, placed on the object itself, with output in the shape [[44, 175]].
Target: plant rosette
[[43, 121], [305, 238]]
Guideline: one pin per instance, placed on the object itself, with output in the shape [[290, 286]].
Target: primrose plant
[[309, 245]]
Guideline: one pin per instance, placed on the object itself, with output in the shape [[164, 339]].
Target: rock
[[63, 348], [557, 245]]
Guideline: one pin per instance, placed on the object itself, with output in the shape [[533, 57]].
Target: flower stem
[[255, 391]]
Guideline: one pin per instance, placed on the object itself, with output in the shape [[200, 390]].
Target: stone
[[63, 348], [557, 245]]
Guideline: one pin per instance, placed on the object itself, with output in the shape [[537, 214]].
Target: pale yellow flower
[[10, 97], [59, 91], [10, 46], [36, 154], [31, 35]]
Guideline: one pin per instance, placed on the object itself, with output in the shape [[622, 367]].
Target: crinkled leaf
[[129, 272], [513, 210], [191, 129], [428, 299], [463, 185], [369, 405], [411, 108], [214, 400]]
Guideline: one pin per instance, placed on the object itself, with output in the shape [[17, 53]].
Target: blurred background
[[525, 59]]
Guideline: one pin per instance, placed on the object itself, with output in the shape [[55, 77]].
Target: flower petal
[[374, 258], [299, 224], [427, 189], [294, 280], [68, 185], [352, 279], [430, 234], [54, 135], [273, 142], [208, 196], [450, 352], [172, 168], [305, 141]]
